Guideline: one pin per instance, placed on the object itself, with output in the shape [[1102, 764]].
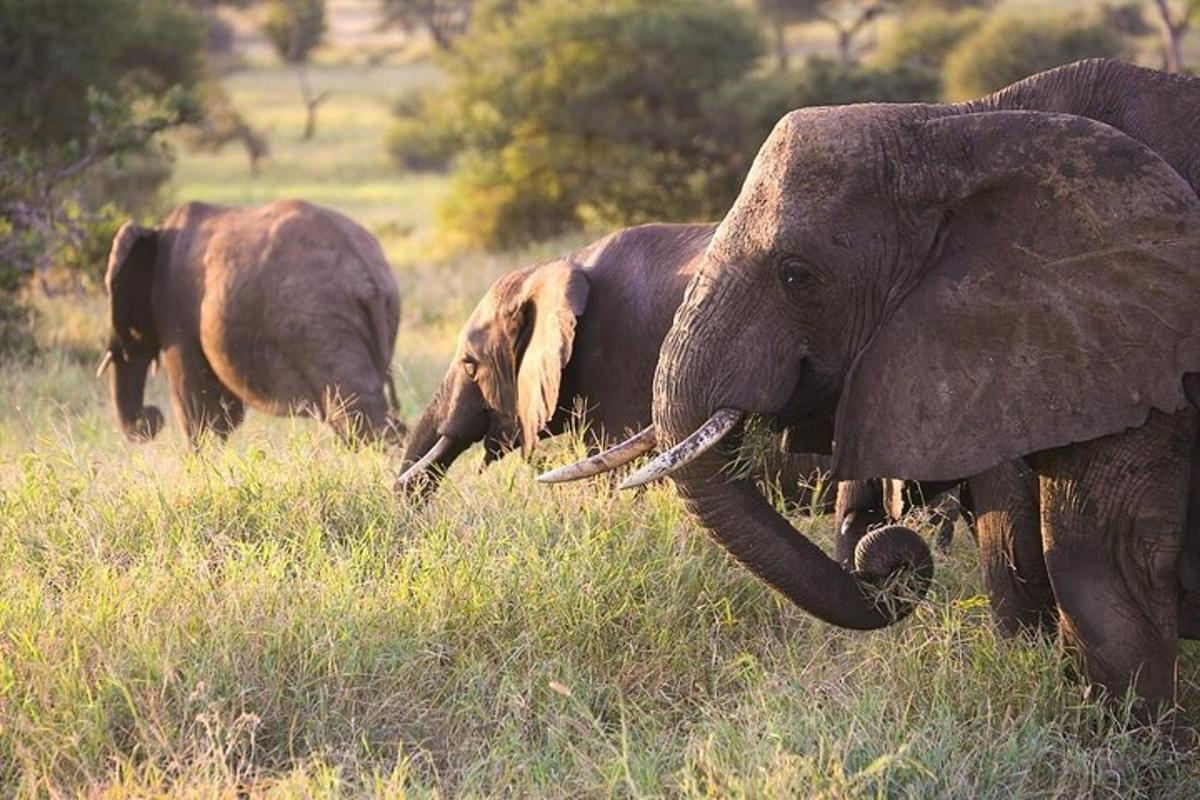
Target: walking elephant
[[578, 332], [287, 308], [957, 291]]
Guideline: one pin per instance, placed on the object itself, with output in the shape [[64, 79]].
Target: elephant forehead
[[812, 164]]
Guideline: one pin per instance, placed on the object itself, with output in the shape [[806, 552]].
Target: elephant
[[287, 308], [577, 332], [1163, 112], [957, 291]]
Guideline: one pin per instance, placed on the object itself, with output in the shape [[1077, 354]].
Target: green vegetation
[[1008, 47], [267, 617], [86, 85], [580, 114]]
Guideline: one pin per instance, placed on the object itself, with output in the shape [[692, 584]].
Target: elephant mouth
[[726, 424]]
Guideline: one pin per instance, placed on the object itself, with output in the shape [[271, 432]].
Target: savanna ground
[[266, 617]]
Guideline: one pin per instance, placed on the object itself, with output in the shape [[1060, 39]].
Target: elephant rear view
[[286, 308]]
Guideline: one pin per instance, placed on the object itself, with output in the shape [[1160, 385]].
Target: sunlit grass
[[268, 615]]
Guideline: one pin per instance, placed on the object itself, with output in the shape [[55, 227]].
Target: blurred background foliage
[[545, 117]]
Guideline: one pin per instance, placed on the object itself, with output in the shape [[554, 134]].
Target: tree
[[87, 84], [445, 20], [1007, 48], [1174, 23], [596, 112], [54, 54], [923, 40], [295, 28], [849, 18]]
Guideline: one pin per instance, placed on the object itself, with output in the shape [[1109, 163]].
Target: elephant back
[[296, 299]]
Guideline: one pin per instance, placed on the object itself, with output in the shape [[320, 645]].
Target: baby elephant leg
[[1008, 531], [1114, 512]]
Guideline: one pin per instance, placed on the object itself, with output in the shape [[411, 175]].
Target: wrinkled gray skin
[[959, 291], [287, 308], [578, 332], [1163, 112]]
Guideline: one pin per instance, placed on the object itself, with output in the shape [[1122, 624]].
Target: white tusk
[[154, 367], [105, 360], [610, 459], [439, 447], [701, 441]]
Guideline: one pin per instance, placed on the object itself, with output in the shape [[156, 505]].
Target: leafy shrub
[[924, 40], [295, 27], [582, 112], [17, 342], [824, 82], [56, 54], [421, 138], [86, 85], [1007, 48]]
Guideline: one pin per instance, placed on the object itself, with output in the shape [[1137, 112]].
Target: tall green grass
[[268, 616]]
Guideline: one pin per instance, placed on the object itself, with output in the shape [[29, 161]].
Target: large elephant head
[[954, 290], [503, 383], [133, 342]]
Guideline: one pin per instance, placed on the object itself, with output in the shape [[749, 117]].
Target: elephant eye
[[470, 366], [796, 274]]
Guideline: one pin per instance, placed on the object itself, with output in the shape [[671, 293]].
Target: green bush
[[1007, 48], [422, 137], [580, 112], [86, 85], [17, 342], [924, 40], [824, 82], [56, 54], [295, 27]]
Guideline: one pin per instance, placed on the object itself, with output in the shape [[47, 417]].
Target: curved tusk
[[105, 360], [610, 459], [439, 447], [702, 440]]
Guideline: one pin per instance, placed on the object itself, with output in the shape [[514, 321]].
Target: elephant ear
[[555, 295], [129, 279], [1057, 301]]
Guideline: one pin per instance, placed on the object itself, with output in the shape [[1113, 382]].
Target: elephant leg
[[944, 514], [1007, 529], [860, 506], [941, 506], [1189, 560], [1114, 511], [201, 402]]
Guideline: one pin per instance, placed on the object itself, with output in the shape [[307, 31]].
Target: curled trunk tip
[[898, 564]]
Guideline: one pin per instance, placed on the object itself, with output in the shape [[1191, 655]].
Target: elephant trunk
[[745, 524], [139, 422], [422, 439]]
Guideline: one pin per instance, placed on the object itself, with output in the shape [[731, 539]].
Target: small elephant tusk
[[154, 367], [105, 360], [699, 442], [610, 459], [440, 446]]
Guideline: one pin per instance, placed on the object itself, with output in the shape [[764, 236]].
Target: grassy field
[[267, 617]]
